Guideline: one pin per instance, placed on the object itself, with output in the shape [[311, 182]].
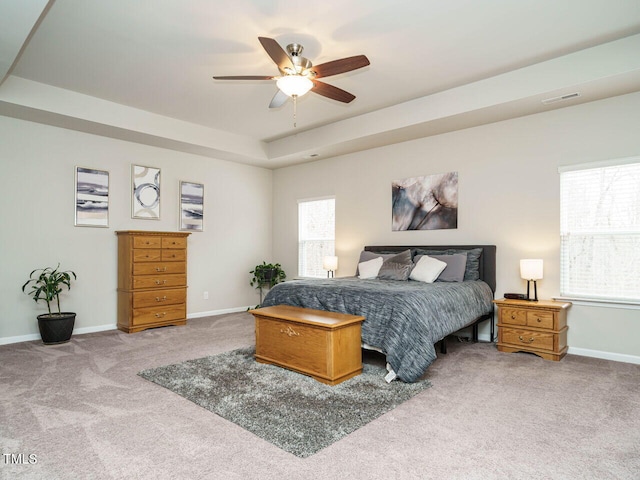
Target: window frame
[[624, 303], [308, 200]]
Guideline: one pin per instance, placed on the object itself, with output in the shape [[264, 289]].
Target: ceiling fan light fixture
[[294, 85]]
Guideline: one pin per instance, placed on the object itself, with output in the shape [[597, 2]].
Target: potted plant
[[47, 284], [267, 275]]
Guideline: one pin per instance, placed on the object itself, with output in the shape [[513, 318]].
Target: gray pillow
[[398, 267], [472, 270], [456, 264], [365, 256]]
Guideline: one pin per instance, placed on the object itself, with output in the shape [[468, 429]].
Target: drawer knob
[[539, 319], [160, 315], [160, 282], [525, 341], [158, 269], [513, 317], [158, 299]]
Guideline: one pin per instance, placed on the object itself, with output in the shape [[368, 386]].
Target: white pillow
[[427, 269], [370, 268]]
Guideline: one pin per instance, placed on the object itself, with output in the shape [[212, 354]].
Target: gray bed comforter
[[403, 319]]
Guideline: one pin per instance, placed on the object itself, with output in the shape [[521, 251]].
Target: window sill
[[600, 302]]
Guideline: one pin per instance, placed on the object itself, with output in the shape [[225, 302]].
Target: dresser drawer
[[527, 338], [147, 255], [170, 296], [147, 242], [513, 316], [174, 242], [160, 267], [540, 319], [169, 255], [143, 316], [159, 281]]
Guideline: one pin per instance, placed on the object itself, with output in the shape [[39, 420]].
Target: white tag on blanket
[[391, 376]]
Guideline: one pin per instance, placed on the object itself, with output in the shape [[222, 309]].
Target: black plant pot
[[268, 275], [56, 328]]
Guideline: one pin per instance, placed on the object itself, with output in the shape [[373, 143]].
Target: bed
[[405, 318]]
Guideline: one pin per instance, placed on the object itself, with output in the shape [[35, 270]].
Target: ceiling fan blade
[[340, 66], [332, 92], [243, 77], [276, 53], [278, 99]]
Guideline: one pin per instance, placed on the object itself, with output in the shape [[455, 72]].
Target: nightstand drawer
[[513, 316], [527, 338], [540, 319]]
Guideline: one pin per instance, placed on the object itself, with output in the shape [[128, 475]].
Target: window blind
[[316, 235], [600, 232]]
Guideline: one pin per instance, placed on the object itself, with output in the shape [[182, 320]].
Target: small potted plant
[[266, 276], [47, 284]]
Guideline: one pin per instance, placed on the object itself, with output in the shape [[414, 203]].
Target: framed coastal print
[[145, 194], [91, 197], [429, 202], [192, 206]]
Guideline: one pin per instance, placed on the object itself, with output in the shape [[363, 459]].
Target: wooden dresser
[[536, 327], [152, 279]]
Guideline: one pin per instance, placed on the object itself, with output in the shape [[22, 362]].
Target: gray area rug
[[292, 411]]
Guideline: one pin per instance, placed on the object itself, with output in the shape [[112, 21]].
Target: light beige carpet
[[83, 411]]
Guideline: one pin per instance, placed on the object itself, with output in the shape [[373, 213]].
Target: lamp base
[[535, 291]]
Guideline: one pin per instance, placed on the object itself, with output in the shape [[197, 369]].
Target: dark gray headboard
[[487, 259]]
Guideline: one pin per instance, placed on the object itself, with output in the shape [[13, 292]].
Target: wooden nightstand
[[536, 327]]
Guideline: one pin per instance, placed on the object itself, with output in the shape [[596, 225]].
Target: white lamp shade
[[330, 263], [531, 269], [294, 85]]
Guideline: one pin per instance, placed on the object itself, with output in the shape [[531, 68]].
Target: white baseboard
[[76, 331], [102, 328], [616, 357], [212, 313], [585, 352]]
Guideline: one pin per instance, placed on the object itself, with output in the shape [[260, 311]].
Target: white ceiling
[[142, 70]]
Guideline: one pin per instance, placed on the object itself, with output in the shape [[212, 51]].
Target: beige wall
[[508, 196], [37, 223]]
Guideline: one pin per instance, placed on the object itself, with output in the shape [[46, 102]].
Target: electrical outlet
[[205, 295]]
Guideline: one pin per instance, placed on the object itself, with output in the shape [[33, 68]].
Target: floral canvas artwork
[[425, 203]]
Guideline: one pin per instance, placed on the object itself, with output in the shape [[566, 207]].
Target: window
[[600, 231], [316, 235]]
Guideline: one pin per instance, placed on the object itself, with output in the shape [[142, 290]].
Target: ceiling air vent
[[561, 98]]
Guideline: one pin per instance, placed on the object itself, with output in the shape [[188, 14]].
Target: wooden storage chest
[[324, 345]]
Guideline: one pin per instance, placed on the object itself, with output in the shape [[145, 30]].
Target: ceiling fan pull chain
[[295, 109]]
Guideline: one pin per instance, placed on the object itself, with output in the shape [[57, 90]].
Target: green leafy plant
[[267, 274], [46, 285]]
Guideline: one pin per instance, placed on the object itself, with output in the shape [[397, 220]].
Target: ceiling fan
[[298, 75]]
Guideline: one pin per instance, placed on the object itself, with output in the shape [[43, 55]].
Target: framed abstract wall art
[[191, 206], [92, 197], [425, 203], [145, 199]]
